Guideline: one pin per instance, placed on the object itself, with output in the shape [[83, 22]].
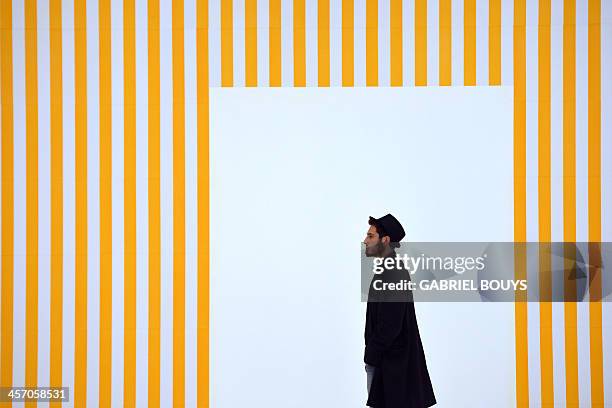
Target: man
[[396, 370]]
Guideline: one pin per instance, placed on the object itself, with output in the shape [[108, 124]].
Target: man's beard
[[376, 250]]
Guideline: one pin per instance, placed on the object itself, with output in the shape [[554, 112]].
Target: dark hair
[[381, 231]]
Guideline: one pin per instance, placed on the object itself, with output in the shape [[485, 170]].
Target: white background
[[295, 173]]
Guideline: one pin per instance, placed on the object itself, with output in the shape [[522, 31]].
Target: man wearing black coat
[[395, 360]]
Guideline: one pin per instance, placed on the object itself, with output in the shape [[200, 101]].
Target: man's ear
[[386, 240]]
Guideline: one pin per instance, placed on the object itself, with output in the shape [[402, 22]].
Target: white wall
[[295, 173]]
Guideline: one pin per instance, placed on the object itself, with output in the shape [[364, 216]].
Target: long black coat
[[393, 346]]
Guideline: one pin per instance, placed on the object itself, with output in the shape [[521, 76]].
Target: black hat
[[390, 226]]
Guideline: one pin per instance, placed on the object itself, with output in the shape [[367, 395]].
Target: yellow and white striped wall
[[105, 212]]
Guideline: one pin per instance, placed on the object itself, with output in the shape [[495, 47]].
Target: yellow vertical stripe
[[6, 93], [594, 197], [178, 165], [520, 226], [420, 42], [227, 43], [396, 43], [571, 347], [569, 199], [203, 205], [546, 352], [129, 203], [106, 204], [494, 42], [544, 203], [80, 159], [299, 43], [348, 43], [371, 42], [323, 42], [57, 194], [250, 42], [445, 43], [520, 219], [31, 88], [521, 330], [469, 42], [275, 42], [569, 120], [154, 206], [544, 219]]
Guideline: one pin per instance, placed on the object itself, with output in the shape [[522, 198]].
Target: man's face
[[374, 245]]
